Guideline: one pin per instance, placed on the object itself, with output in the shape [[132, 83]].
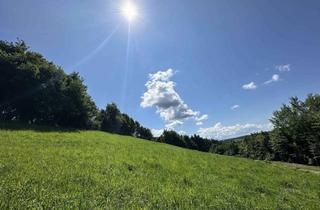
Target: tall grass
[[96, 170]]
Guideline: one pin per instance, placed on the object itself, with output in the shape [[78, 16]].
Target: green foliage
[[202, 144], [113, 121], [142, 132], [96, 170], [37, 91], [128, 125], [225, 148], [256, 146], [173, 138], [194, 142], [295, 138], [296, 135]]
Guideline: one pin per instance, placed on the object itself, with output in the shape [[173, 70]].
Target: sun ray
[[127, 69], [129, 11], [97, 49]]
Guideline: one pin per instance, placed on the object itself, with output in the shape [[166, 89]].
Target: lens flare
[[129, 11]]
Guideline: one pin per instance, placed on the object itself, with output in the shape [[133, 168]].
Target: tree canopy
[[35, 90], [296, 135]]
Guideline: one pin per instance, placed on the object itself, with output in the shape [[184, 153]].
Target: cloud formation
[[219, 131], [156, 132], [275, 78], [199, 120], [234, 107], [249, 86], [283, 68], [162, 95]]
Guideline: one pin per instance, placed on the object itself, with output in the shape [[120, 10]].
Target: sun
[[129, 11]]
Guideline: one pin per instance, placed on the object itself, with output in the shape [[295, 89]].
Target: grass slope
[[89, 170]]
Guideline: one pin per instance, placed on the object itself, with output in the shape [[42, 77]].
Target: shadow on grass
[[15, 126]]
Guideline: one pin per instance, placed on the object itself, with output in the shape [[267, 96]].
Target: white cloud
[[162, 95], [202, 118], [199, 123], [275, 78], [219, 131], [173, 124], [156, 132], [199, 120], [249, 86], [234, 107], [283, 67]]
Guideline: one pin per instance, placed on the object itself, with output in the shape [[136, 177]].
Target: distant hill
[[48, 169], [239, 138]]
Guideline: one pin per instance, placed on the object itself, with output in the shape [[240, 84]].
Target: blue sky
[[245, 54]]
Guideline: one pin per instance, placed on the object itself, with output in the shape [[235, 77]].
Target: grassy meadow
[[96, 170]]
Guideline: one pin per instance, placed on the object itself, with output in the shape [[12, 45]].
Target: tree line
[[36, 91], [295, 137]]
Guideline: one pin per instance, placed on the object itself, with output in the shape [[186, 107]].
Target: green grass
[[96, 170]]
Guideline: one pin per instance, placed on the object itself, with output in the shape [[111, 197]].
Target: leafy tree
[[128, 125], [76, 108], [297, 132], [111, 121], [202, 143], [190, 142], [34, 90], [172, 137], [225, 147], [256, 146], [142, 132]]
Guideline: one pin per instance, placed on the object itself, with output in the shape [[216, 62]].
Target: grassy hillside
[[88, 169]]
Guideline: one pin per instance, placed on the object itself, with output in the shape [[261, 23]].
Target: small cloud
[[234, 107], [199, 123], [283, 68], [249, 86], [275, 78], [219, 131], [202, 118], [199, 120], [172, 124], [156, 132]]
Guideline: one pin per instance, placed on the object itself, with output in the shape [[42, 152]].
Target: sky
[[217, 68]]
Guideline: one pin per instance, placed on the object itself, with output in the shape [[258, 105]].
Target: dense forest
[[36, 91]]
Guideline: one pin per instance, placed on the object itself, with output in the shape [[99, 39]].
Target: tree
[[76, 108], [202, 144], [256, 146], [142, 132], [127, 125], [172, 137], [297, 132], [111, 121], [35, 90], [190, 142]]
